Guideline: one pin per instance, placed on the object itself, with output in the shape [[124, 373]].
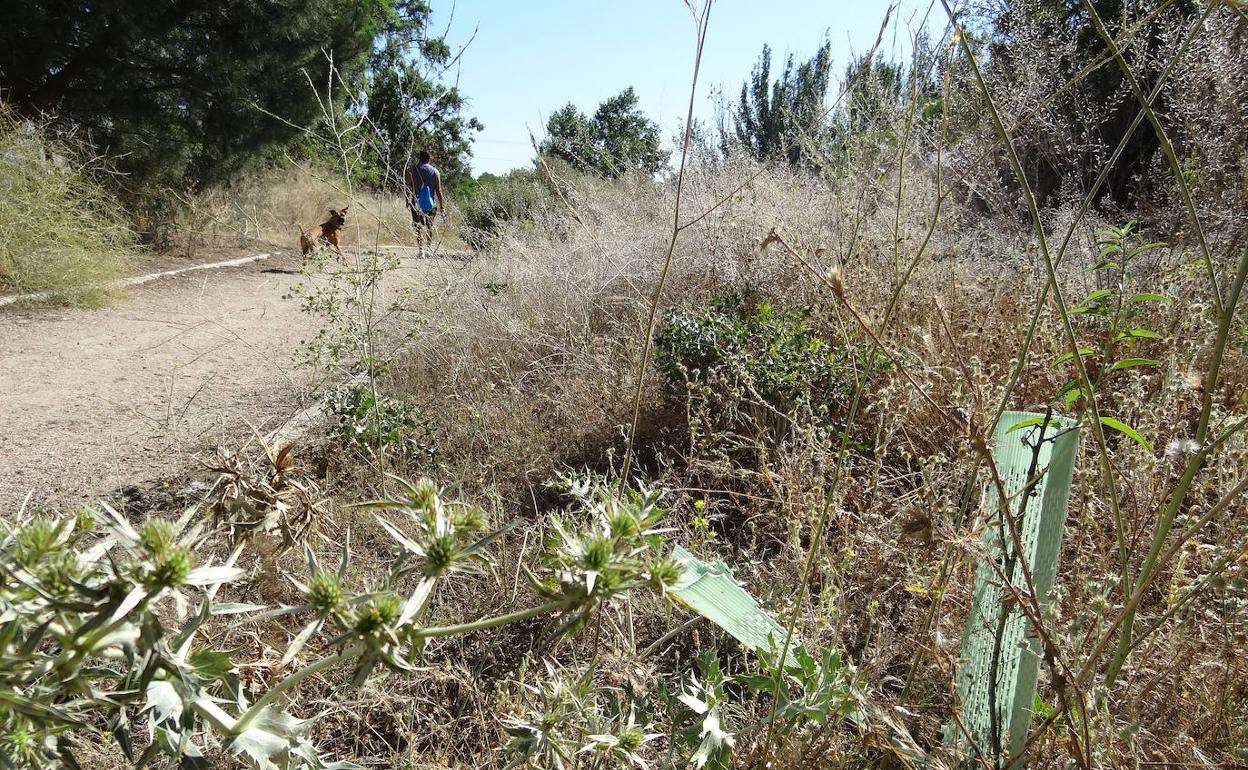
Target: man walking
[[424, 183]]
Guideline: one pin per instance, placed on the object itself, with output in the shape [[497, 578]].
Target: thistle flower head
[[172, 566], [157, 536], [426, 496], [57, 572], [623, 523], [35, 540], [440, 553], [664, 574], [325, 593], [377, 614]]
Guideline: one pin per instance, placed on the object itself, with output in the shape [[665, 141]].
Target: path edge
[[136, 280]]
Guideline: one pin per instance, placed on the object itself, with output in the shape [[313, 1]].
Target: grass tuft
[[64, 234]]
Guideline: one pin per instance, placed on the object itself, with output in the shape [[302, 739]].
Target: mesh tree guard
[[1001, 658]]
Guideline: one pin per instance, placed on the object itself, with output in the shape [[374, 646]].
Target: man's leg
[[417, 222], [430, 218]]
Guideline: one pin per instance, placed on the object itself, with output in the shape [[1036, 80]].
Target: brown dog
[[325, 233]]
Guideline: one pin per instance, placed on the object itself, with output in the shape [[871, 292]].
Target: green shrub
[[736, 354], [362, 417], [64, 235], [519, 196]]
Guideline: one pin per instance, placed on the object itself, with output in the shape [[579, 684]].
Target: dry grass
[[528, 356], [264, 210], [64, 234], [531, 368]]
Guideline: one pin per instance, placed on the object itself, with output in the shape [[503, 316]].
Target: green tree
[[570, 136], [781, 120], [876, 91], [180, 89], [619, 139], [1036, 46], [407, 105]]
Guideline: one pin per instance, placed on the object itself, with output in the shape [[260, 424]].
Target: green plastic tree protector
[[1000, 655], [709, 589]]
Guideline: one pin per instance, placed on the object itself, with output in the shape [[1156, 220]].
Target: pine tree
[[407, 106], [180, 90]]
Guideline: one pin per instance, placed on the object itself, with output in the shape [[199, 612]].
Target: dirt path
[[96, 400]]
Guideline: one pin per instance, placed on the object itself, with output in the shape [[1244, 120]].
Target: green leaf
[[1129, 362], [211, 664], [310, 556], [416, 602], [313, 761], [1092, 303], [1143, 247], [163, 700], [276, 612], [403, 540], [1025, 424], [206, 576], [1147, 297], [300, 640], [1138, 333], [235, 608], [1083, 353], [1126, 430], [1071, 396], [1102, 265], [1042, 708], [119, 726], [272, 733]]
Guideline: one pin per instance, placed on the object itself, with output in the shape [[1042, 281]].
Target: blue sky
[[530, 58]]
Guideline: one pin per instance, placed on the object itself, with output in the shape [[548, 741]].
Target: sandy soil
[[92, 401]]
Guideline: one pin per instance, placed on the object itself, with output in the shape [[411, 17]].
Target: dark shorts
[[424, 218]]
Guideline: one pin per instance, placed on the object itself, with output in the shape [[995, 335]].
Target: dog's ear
[[333, 212], [344, 211]]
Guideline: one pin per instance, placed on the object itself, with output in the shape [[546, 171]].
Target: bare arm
[[438, 191], [408, 182]]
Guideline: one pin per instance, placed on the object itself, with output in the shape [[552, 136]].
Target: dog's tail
[[302, 230]]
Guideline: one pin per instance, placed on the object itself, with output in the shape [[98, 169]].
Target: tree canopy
[[178, 88], [618, 139], [877, 87], [407, 105], [189, 92], [1037, 45]]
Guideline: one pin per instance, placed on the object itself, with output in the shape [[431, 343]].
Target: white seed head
[[1180, 447]]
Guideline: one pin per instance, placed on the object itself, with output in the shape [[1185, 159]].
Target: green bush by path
[[362, 417]]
